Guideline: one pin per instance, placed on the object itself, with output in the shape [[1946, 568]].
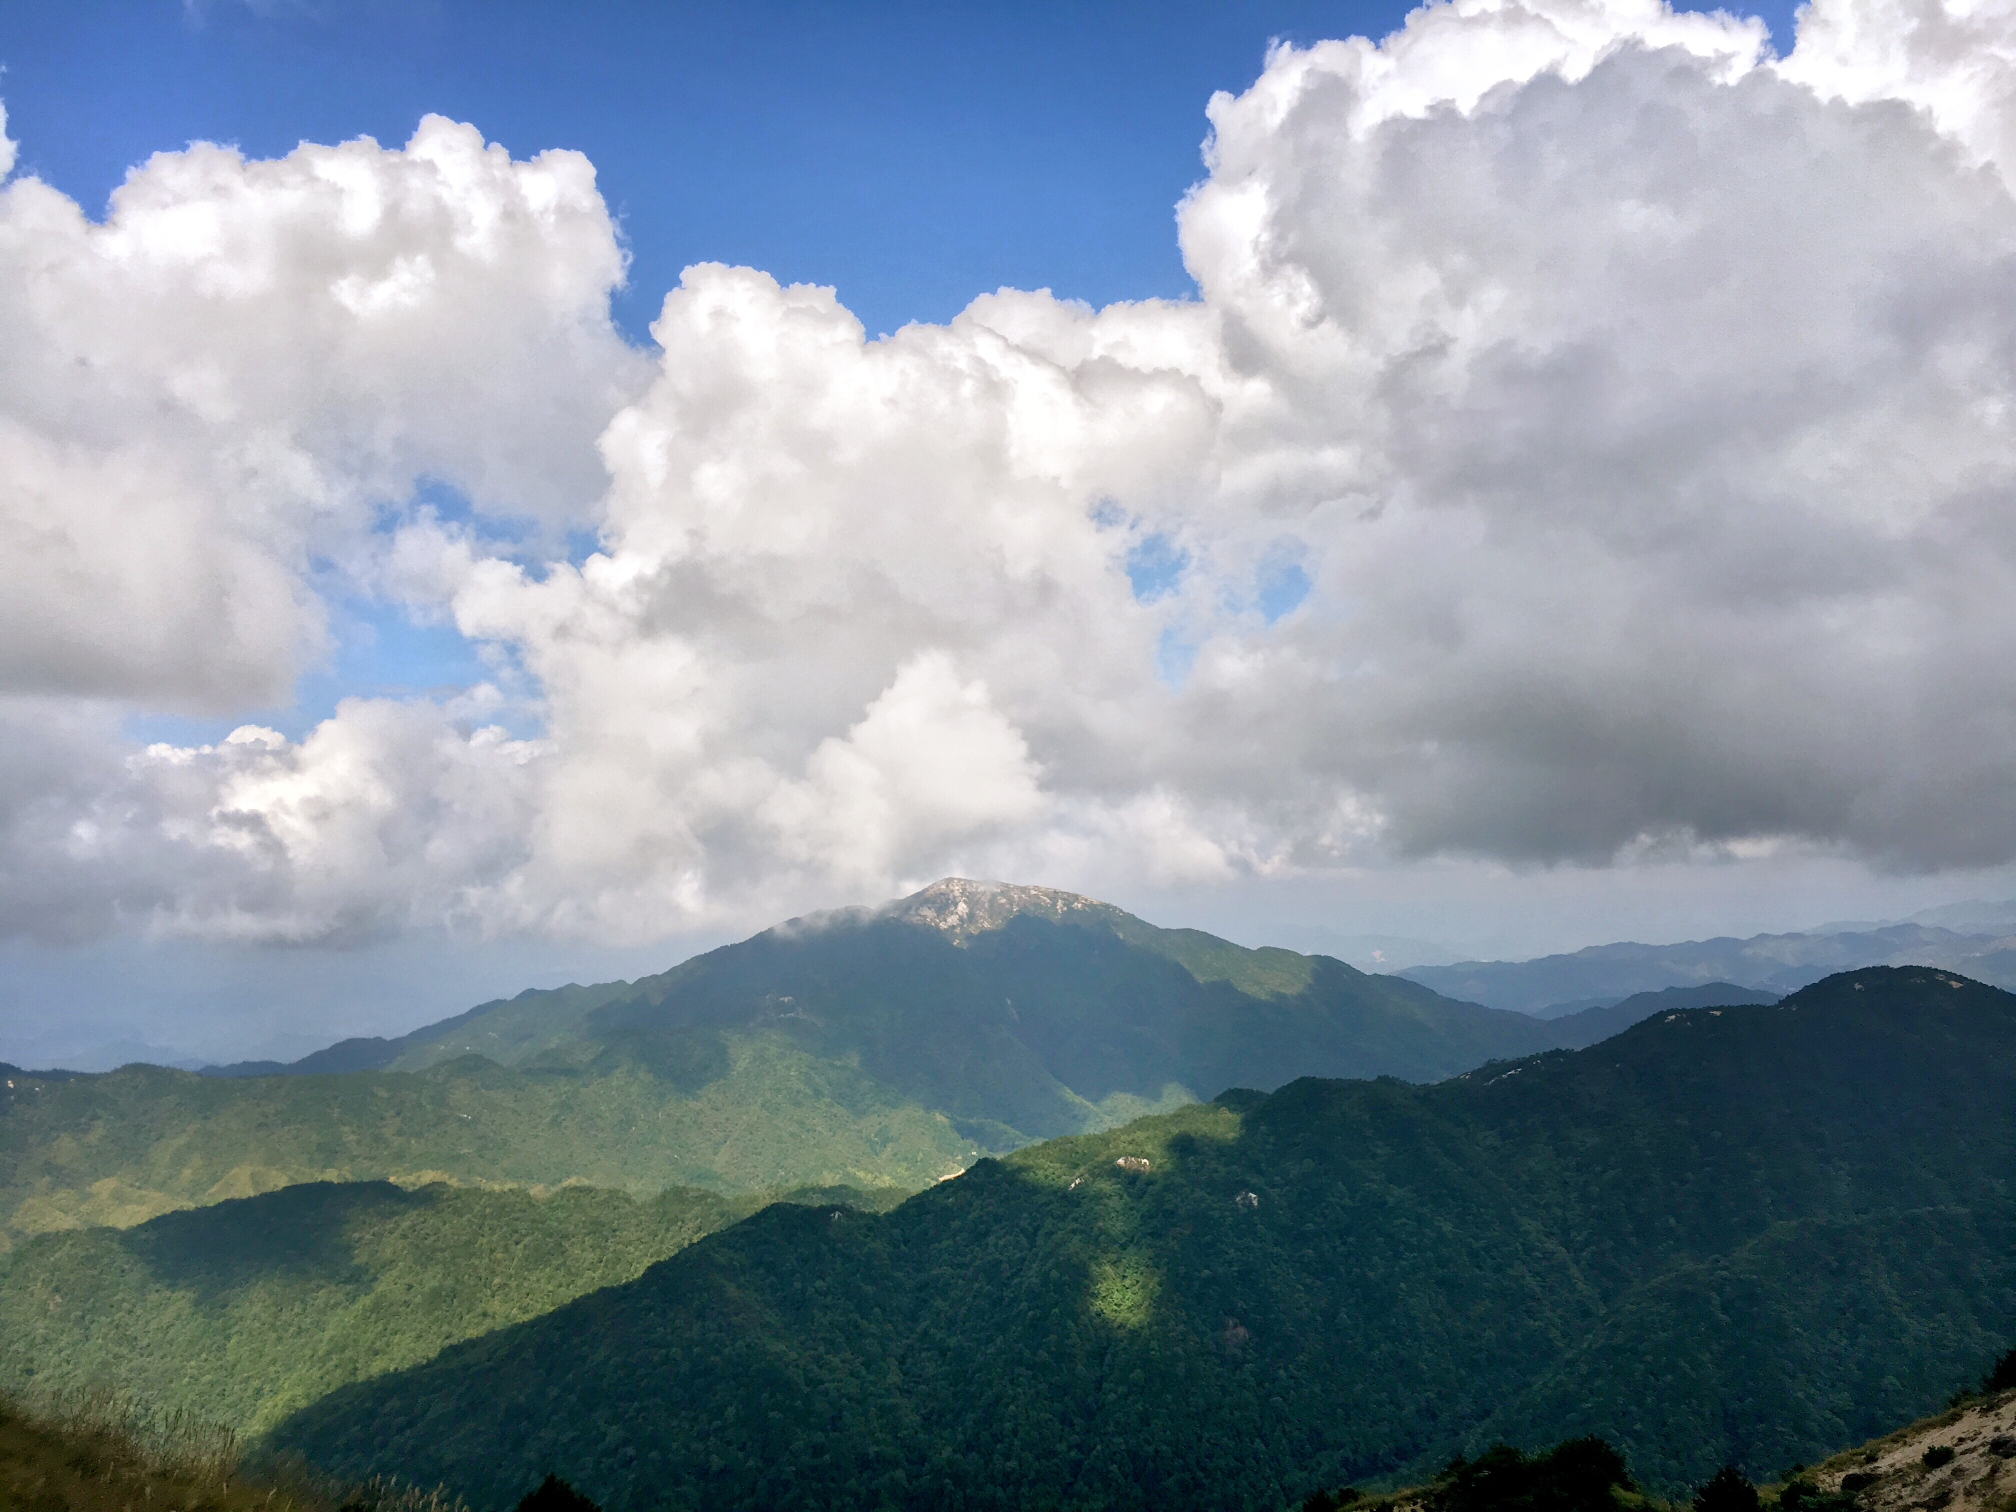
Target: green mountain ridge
[[1588, 1026], [869, 1047], [135, 1143], [1750, 1234], [956, 911]]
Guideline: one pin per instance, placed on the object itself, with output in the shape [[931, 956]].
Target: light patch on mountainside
[[1124, 1290], [111, 1201]]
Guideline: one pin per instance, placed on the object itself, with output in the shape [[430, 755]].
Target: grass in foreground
[[96, 1454]]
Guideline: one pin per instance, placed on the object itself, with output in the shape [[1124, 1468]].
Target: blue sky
[[912, 155]]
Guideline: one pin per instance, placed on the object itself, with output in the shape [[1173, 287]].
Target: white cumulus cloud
[[1592, 438], [244, 362]]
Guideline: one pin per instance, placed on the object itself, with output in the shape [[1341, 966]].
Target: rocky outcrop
[[962, 907], [1963, 1460]]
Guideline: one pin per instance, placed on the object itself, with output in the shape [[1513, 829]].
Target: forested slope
[[134, 1143], [1751, 1234], [241, 1312]]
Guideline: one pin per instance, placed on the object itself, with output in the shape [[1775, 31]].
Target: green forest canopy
[[1746, 1234]]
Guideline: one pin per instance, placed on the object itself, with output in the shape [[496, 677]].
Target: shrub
[[2003, 1376], [1727, 1490], [555, 1495], [1581, 1475], [1804, 1496]]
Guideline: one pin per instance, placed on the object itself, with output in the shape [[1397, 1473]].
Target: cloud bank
[[1592, 438]]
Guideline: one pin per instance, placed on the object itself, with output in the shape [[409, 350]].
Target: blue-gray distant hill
[[1580, 1027], [1775, 964]]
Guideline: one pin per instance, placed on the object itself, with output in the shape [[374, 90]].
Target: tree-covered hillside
[[885, 1047], [241, 1312], [134, 1143], [1751, 1234]]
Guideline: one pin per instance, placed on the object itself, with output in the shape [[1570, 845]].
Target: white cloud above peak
[[1592, 437], [246, 361]]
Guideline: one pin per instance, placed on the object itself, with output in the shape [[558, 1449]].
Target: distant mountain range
[[883, 1047], [869, 1048], [1368, 952], [1974, 916], [1775, 964], [1749, 1234]]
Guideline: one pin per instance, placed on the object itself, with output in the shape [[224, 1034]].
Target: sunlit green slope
[[141, 1141], [240, 1312]]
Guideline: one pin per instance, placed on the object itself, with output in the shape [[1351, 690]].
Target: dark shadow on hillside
[[689, 1059], [302, 1231]]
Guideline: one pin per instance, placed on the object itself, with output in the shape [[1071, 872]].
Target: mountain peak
[[962, 907]]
